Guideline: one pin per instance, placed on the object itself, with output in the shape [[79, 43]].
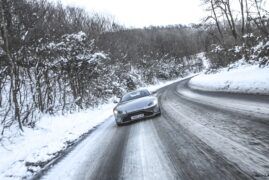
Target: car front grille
[[145, 112]]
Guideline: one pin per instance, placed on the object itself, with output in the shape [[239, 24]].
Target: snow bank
[[238, 78], [22, 153]]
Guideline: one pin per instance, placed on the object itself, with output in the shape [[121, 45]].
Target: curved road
[[198, 136]]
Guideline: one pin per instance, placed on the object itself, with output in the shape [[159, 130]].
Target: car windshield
[[135, 95]]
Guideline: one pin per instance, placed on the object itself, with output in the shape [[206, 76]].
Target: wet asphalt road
[[198, 136]]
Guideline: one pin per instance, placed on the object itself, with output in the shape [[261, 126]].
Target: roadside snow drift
[[243, 78], [22, 154]]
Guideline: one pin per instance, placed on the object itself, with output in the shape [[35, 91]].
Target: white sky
[[140, 13]]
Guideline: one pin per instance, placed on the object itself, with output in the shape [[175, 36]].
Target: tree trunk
[[232, 20], [216, 19], [242, 16], [14, 70], [262, 24]]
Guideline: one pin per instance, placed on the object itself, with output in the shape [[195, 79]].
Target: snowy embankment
[[237, 78], [23, 154], [27, 152]]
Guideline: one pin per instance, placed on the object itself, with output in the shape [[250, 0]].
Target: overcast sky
[[140, 13]]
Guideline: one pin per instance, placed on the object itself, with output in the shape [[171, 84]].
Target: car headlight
[[153, 103], [115, 112]]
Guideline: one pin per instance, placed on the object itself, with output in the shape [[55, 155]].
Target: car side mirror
[[115, 101], [153, 92]]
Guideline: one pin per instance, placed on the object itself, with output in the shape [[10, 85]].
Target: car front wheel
[[119, 124]]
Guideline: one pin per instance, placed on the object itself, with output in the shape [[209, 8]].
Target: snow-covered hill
[[250, 74], [244, 78]]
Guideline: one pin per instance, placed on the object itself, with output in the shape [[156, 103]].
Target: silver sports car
[[136, 105]]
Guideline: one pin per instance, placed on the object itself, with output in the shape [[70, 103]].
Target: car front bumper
[[147, 113]]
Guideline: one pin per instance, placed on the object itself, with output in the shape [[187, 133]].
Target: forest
[[58, 59]]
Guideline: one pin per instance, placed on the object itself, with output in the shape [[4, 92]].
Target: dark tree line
[[151, 49]]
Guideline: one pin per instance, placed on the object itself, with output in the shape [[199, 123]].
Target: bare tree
[[225, 7], [241, 2], [14, 70], [212, 7], [259, 21]]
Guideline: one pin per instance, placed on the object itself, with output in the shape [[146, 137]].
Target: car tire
[[119, 124], [159, 113]]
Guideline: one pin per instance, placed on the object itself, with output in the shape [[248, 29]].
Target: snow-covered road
[[198, 136]]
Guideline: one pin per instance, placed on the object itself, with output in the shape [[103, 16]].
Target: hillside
[[248, 75]]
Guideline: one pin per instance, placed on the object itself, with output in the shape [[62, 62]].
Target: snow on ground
[[237, 78], [205, 60], [21, 153], [51, 134]]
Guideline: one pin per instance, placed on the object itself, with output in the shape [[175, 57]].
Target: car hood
[[135, 104]]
